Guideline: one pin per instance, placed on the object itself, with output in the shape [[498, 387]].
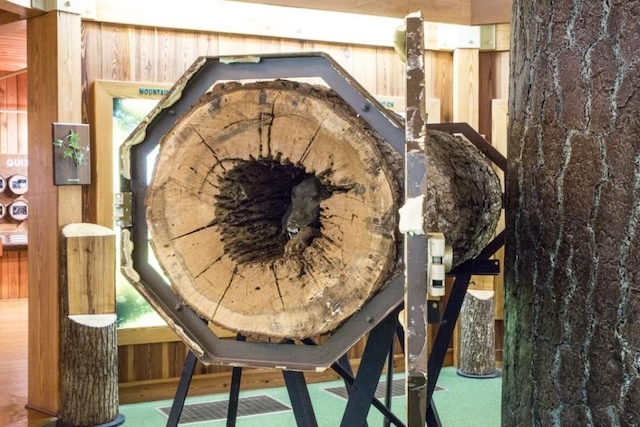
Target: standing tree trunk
[[572, 298]]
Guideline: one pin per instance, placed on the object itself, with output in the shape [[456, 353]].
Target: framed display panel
[[14, 187], [118, 108]]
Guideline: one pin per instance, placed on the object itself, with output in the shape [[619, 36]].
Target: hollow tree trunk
[[572, 299], [233, 172]]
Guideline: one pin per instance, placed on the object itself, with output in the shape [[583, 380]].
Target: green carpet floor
[[463, 402]]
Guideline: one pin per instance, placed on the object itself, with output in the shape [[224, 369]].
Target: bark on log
[[477, 341], [88, 343], [89, 370], [224, 179]]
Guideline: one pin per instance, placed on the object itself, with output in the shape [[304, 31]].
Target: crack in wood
[[275, 277], [213, 153], [307, 149], [209, 266], [233, 275], [197, 230]]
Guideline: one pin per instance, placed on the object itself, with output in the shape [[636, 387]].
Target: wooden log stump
[[477, 342], [88, 342], [89, 370], [234, 171]]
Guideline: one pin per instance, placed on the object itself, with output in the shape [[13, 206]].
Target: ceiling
[[455, 9], [13, 28], [13, 45]]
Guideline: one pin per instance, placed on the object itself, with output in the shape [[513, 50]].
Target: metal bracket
[[439, 261], [123, 210]]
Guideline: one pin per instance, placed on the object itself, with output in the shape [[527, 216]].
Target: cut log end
[[274, 209]]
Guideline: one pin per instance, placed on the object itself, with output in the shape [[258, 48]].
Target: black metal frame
[[378, 317], [202, 340], [379, 350], [371, 365]]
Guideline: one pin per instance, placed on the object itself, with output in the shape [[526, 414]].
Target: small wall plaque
[[71, 159], [18, 184]]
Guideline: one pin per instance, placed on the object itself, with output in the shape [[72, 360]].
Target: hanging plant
[[72, 148]]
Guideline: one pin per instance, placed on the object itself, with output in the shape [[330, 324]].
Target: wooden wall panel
[[439, 81], [14, 275], [162, 56], [494, 84]]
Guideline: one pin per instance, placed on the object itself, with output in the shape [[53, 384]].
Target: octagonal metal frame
[[205, 344]]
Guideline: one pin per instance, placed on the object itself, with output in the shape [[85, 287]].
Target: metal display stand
[[379, 350], [378, 317], [361, 389]]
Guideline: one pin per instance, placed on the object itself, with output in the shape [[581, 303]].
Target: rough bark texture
[[218, 207], [478, 335], [572, 348], [463, 196], [89, 370]]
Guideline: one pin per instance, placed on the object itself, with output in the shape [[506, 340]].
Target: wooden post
[[415, 245], [88, 346], [54, 58], [477, 343], [466, 96]]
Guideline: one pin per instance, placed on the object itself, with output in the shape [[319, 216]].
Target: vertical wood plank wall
[[115, 52], [14, 273]]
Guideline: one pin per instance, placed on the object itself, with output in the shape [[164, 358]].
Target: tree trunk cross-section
[[219, 200]]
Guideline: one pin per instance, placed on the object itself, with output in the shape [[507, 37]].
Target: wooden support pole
[[54, 62], [466, 103], [415, 245]]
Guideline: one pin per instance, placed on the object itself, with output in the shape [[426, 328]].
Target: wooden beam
[[53, 56], [21, 8], [298, 23], [450, 11], [490, 12], [499, 122]]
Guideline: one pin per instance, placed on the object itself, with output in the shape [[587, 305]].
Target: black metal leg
[[345, 372], [400, 335], [364, 385], [234, 396], [433, 420], [443, 338], [300, 400], [345, 363], [389, 386], [234, 392], [183, 388]]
